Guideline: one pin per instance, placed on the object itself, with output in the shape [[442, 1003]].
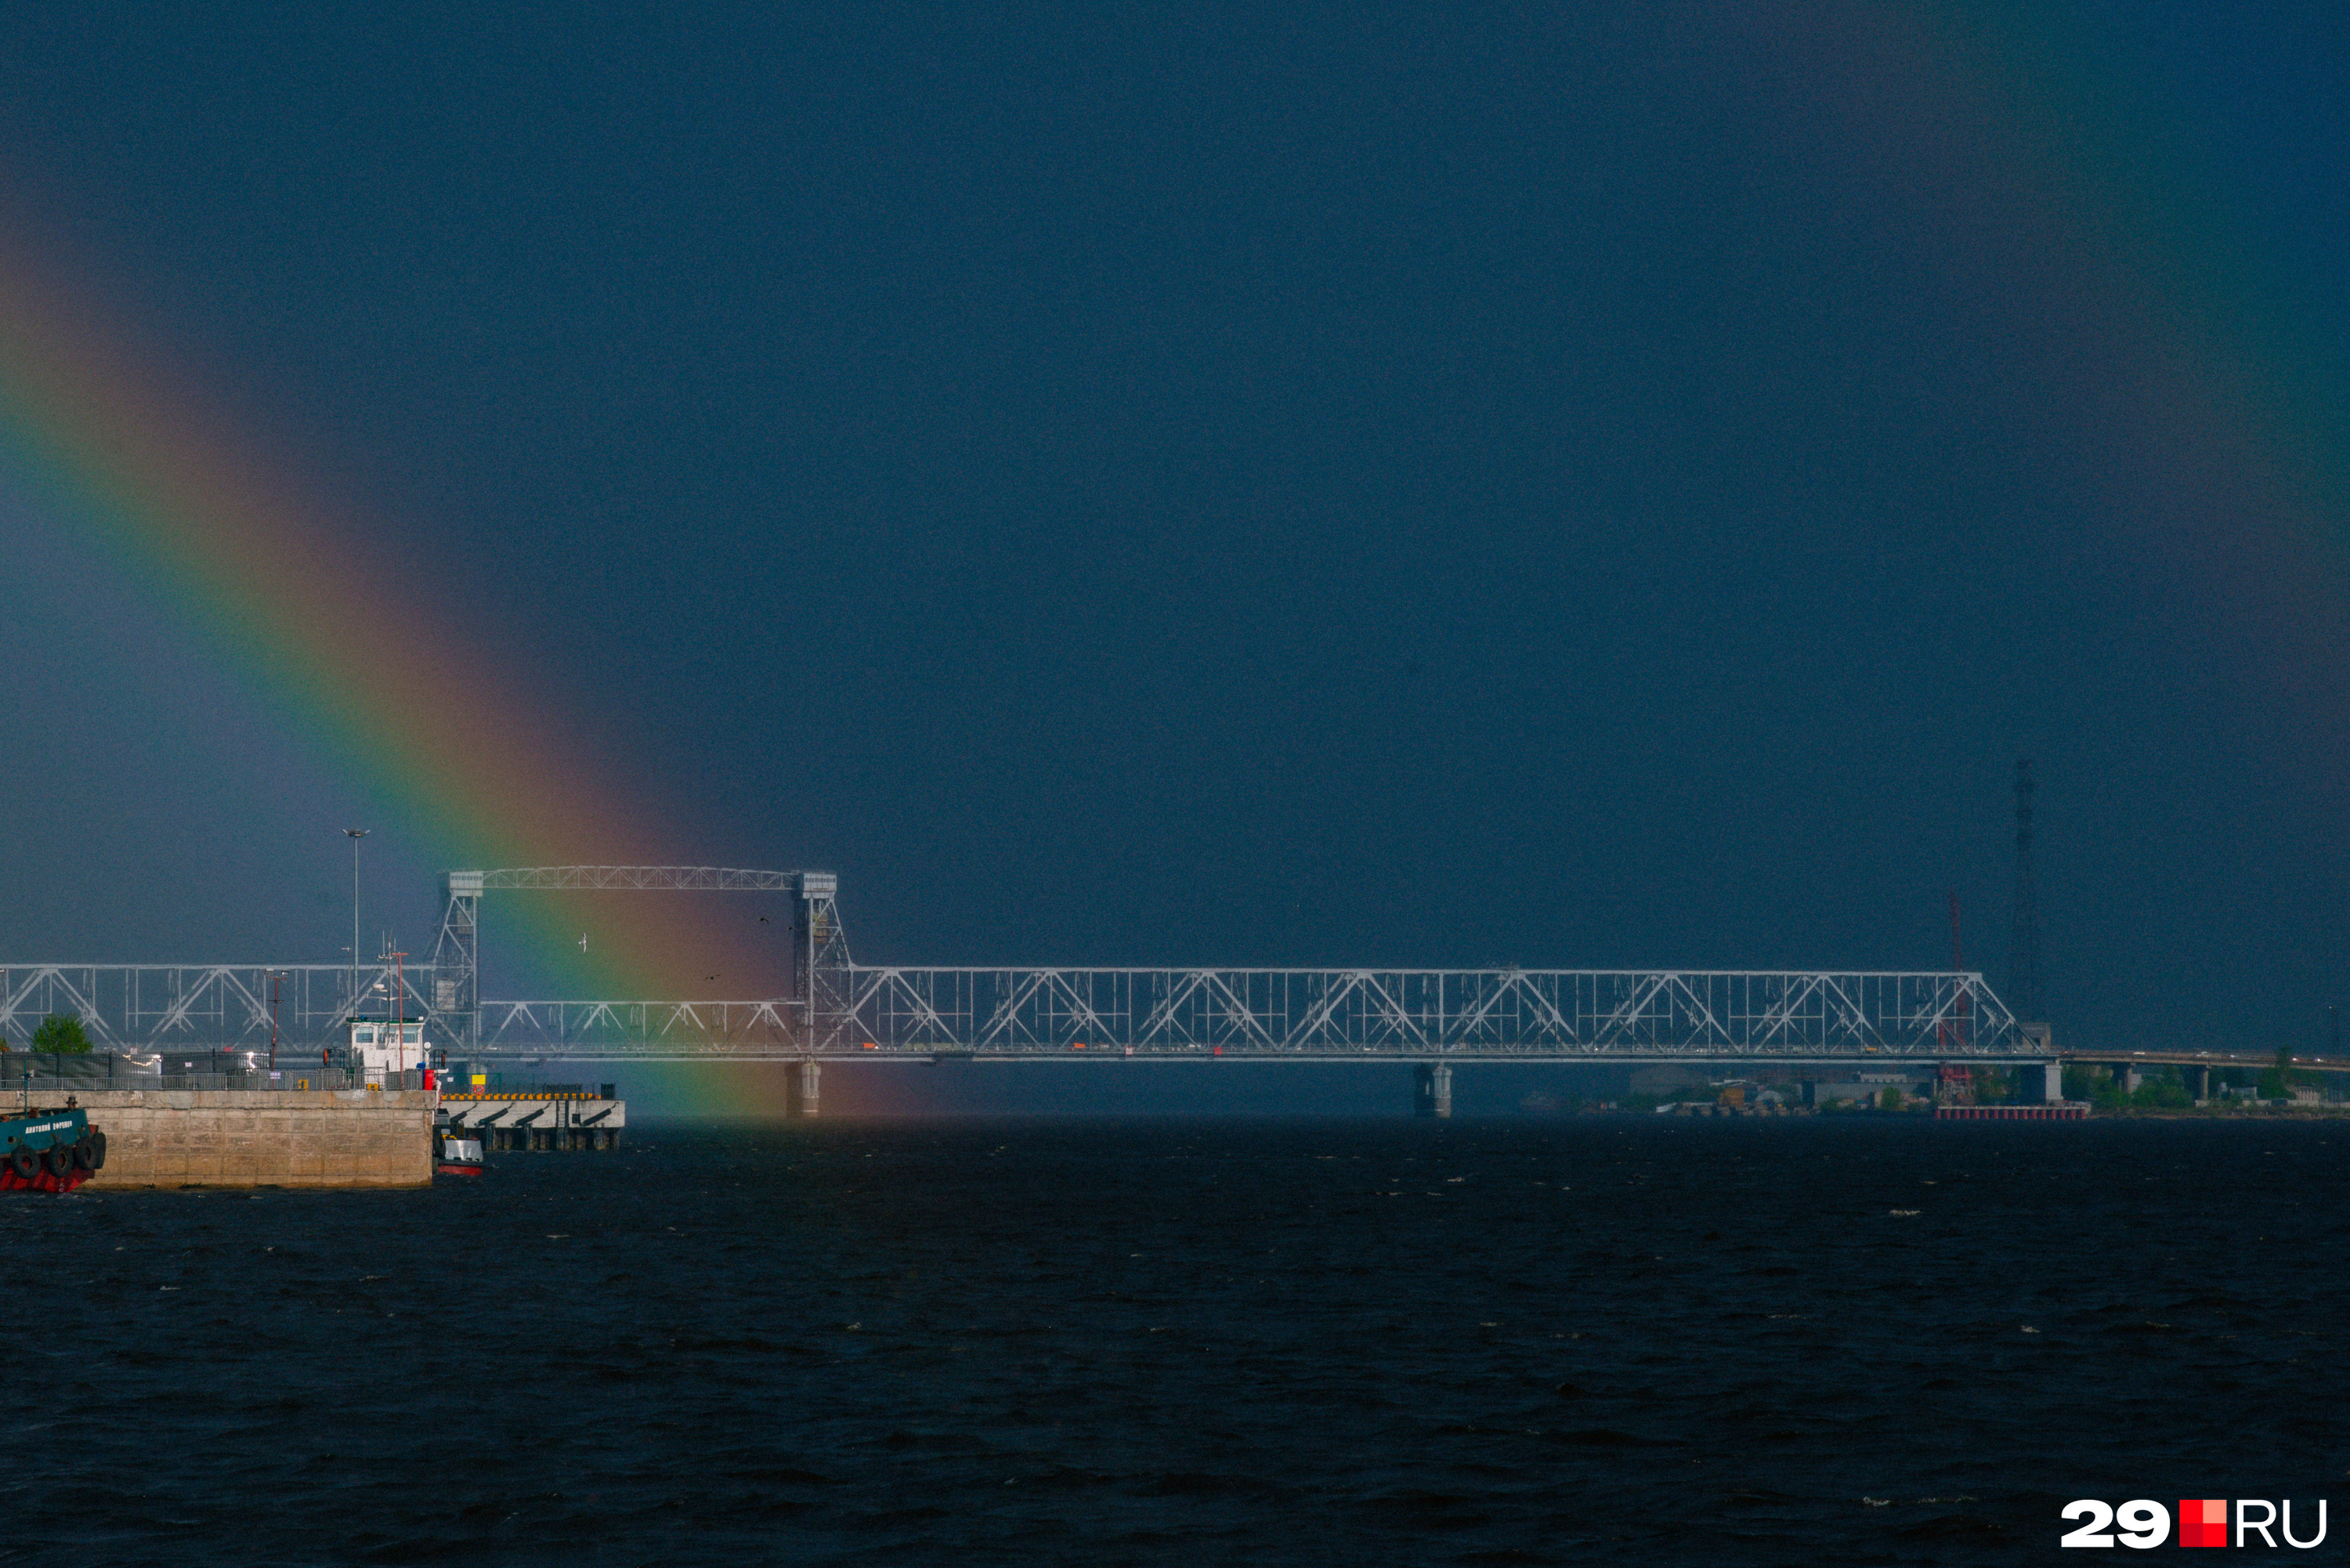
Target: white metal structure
[[841, 1009]]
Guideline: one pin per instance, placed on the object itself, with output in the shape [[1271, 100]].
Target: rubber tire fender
[[25, 1164], [84, 1155], [59, 1159], [95, 1141]]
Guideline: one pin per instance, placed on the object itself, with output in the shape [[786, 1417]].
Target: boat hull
[[45, 1181]]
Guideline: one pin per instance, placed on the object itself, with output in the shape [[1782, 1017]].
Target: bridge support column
[[800, 1088], [2041, 1082], [2126, 1077], [2198, 1081], [1432, 1095]]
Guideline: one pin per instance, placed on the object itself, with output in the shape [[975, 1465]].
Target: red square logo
[[2203, 1521]]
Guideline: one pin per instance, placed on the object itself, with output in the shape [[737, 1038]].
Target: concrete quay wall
[[248, 1138]]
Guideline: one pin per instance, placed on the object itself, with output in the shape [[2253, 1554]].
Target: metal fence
[[26, 1073], [294, 1080], [60, 1070]]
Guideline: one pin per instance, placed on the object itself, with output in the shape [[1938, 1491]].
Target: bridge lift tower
[[821, 984]]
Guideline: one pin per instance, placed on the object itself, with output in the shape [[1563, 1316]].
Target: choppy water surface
[[1600, 1340]]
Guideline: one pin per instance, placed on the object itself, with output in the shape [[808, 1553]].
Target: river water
[[1047, 1341]]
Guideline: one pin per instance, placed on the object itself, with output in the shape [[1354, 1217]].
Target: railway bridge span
[[835, 1008]]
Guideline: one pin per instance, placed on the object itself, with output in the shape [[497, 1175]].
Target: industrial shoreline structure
[[838, 1009]]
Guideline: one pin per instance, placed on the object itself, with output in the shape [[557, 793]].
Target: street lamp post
[[276, 976], [355, 835], [399, 1013]]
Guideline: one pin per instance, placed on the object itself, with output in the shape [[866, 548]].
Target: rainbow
[[2045, 175], [93, 434]]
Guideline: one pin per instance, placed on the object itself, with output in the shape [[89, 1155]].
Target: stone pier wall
[[245, 1137]]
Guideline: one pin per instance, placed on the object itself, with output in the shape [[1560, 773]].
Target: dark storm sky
[[1574, 486]]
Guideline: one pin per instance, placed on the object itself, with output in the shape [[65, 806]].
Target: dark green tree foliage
[[61, 1033], [2276, 1084], [2162, 1091]]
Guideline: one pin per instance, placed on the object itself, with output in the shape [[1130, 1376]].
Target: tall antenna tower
[[2023, 941]]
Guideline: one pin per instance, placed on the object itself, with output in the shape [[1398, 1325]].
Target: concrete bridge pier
[[800, 1088], [1432, 1093], [2043, 1082], [2127, 1078], [2197, 1079]]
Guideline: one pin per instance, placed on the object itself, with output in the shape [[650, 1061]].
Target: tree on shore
[[2162, 1091], [61, 1033], [2276, 1084]]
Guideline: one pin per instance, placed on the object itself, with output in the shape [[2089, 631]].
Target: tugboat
[[50, 1151], [459, 1157]]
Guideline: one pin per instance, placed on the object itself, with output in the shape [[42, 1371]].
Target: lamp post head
[[357, 832]]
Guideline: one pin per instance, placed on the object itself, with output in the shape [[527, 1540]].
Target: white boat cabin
[[379, 1046]]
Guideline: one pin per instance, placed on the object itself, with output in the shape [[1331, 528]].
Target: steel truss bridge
[[840, 1009]]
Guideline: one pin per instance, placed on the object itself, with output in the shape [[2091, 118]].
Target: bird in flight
[[582, 941], [763, 919]]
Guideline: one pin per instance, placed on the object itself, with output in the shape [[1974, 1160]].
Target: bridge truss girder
[[1556, 1013], [148, 1007], [869, 1011]]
